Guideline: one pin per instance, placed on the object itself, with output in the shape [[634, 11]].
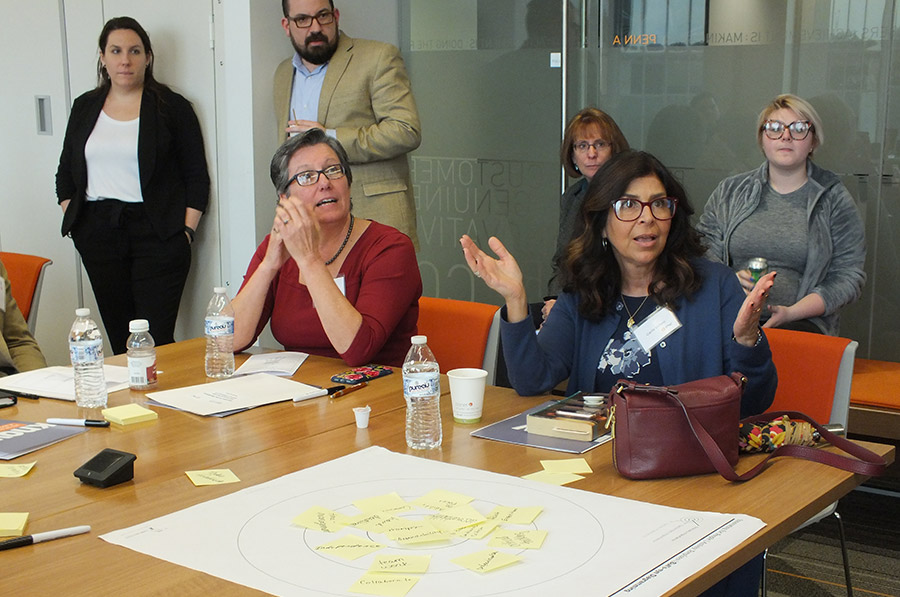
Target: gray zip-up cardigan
[[837, 244]]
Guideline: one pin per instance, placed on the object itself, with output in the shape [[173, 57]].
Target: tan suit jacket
[[18, 349], [366, 98]]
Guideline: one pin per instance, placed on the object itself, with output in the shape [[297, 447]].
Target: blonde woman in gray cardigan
[[797, 216]]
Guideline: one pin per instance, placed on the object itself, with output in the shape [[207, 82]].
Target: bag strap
[[866, 462]]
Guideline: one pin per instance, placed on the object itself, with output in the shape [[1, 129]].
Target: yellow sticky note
[[128, 414], [553, 478], [513, 515], [567, 465], [15, 470], [375, 522], [477, 531], [390, 502], [388, 585], [416, 532], [349, 547], [12, 524], [215, 476], [441, 499], [322, 519], [528, 539], [456, 518], [401, 563], [486, 561]]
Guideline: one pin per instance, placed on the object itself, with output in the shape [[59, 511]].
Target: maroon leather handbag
[[692, 428]]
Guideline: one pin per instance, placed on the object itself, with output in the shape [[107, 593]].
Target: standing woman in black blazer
[[132, 182]]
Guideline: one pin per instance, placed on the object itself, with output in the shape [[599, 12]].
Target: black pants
[[135, 275]]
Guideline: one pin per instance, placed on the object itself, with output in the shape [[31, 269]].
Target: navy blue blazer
[[171, 159]]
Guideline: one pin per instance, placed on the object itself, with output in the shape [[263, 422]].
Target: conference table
[[267, 442]]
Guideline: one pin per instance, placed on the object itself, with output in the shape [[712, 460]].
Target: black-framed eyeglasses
[[629, 210], [323, 17], [598, 145], [799, 129], [311, 177]]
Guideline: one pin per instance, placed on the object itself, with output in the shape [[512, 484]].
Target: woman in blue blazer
[[133, 183]]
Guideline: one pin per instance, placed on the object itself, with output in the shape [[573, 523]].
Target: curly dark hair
[[590, 269]]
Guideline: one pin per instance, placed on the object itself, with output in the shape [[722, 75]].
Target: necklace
[[630, 322], [343, 244]]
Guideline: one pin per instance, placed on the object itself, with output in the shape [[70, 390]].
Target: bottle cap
[[82, 312], [220, 290], [420, 339], [138, 325]]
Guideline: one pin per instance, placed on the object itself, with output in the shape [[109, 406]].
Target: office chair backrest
[[26, 276], [457, 331], [814, 373]]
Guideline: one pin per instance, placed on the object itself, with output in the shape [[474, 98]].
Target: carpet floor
[[808, 563]]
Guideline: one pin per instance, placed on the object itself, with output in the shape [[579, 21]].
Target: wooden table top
[[267, 442]]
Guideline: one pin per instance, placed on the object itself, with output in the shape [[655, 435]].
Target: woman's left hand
[[299, 229], [746, 324]]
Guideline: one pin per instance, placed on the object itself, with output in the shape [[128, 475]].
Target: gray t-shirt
[[776, 230]]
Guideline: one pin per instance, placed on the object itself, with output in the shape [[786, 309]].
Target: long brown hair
[[115, 24], [590, 268]]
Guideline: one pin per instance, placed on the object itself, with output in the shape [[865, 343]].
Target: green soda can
[[758, 267]]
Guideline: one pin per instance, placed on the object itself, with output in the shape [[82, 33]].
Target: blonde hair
[[803, 109]]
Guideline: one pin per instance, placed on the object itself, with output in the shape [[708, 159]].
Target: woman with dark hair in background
[[797, 216], [133, 183]]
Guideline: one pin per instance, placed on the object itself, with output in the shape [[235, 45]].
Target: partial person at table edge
[[331, 284], [133, 184], [19, 351], [802, 209]]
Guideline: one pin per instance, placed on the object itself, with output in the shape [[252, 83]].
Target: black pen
[[334, 389], [80, 422], [41, 537], [24, 395]]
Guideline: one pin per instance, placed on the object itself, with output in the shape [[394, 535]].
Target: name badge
[[655, 328], [341, 284]]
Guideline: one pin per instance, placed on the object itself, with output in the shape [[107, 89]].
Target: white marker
[[41, 537], [80, 422]]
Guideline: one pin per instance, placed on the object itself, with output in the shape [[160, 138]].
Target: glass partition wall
[[684, 79]]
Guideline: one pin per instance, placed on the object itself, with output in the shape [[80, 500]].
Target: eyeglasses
[[311, 177], [799, 129], [582, 146], [323, 17], [629, 210]]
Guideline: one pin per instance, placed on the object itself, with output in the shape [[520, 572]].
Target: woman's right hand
[[502, 274], [276, 252]]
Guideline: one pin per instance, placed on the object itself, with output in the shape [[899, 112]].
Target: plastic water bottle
[[141, 351], [219, 335], [422, 391], [86, 354]]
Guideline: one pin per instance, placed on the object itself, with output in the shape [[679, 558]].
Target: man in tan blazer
[[18, 349], [365, 102]]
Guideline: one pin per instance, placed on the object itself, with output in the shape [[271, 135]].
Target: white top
[[421, 339], [111, 154]]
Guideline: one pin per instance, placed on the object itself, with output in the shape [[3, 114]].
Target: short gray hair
[[278, 170]]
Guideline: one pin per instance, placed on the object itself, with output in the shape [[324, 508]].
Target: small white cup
[[362, 416], [467, 394]]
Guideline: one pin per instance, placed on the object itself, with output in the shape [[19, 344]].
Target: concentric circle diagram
[[575, 537]]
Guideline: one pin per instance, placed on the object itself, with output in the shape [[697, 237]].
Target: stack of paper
[[236, 394], [59, 382], [276, 363], [128, 414]]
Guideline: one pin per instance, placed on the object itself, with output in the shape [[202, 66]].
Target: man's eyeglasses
[[323, 17], [799, 129], [311, 177], [629, 210], [582, 146]]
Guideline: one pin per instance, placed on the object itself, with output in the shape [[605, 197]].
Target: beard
[[317, 54]]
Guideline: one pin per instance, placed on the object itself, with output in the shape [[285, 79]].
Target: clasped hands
[[295, 234]]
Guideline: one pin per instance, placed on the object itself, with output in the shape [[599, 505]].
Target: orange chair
[[26, 276], [815, 373], [460, 333]]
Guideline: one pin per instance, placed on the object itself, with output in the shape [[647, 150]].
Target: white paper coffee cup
[[467, 394]]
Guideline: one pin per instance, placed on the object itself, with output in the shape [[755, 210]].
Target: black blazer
[[171, 159]]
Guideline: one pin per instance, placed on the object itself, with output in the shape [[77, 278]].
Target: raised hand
[[501, 274], [746, 324]]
